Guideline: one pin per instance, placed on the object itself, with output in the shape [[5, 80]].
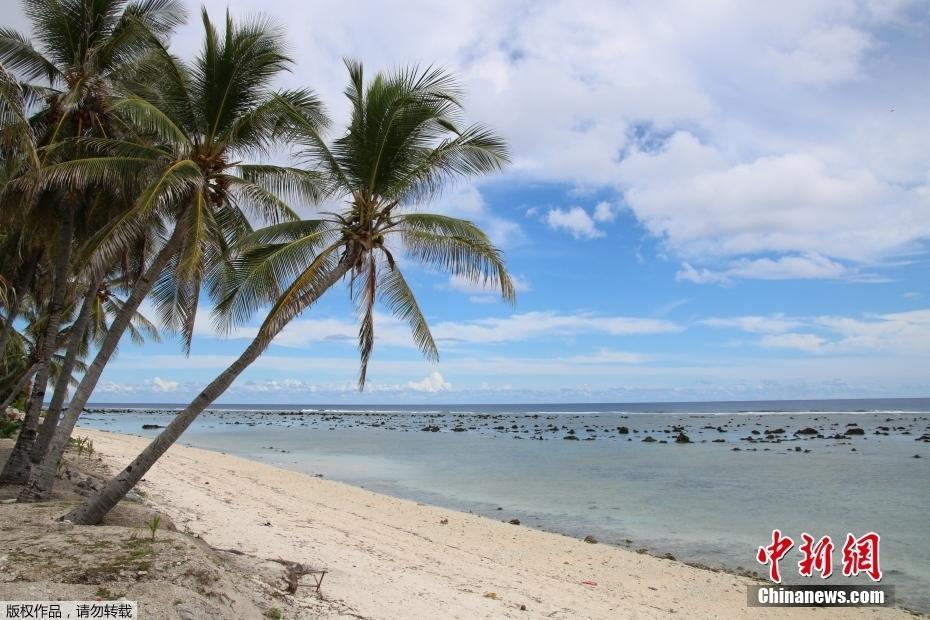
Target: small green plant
[[274, 614], [8, 428], [60, 469], [82, 445], [153, 525]]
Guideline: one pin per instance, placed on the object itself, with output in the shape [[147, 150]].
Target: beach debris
[[491, 595], [522, 607], [589, 582], [444, 521], [514, 522], [293, 571], [590, 539]]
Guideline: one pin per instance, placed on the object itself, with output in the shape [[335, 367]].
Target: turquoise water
[[701, 501]]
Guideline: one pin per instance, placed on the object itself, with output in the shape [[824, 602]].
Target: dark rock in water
[[719, 441], [855, 431], [151, 426], [430, 429], [806, 431], [514, 522], [458, 429], [649, 439], [590, 539], [571, 437], [916, 456], [623, 430], [682, 438]]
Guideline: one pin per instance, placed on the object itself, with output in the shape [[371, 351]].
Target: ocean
[[855, 466]]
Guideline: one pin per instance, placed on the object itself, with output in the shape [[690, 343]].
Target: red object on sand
[[589, 582]]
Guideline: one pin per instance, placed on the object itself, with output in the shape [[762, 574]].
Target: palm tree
[[91, 324], [401, 147], [86, 45], [195, 124]]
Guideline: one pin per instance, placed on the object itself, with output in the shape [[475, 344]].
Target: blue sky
[[725, 200]]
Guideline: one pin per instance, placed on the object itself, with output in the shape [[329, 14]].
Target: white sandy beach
[[392, 558]]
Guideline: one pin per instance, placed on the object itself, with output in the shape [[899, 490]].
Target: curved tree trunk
[[64, 380], [18, 388], [43, 475], [18, 466], [100, 503]]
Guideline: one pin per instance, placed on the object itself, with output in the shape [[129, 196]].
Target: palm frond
[[396, 294]]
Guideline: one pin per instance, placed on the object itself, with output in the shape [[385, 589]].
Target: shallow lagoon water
[[701, 501]]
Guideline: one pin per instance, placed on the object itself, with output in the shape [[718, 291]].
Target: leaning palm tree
[[401, 147], [196, 124]]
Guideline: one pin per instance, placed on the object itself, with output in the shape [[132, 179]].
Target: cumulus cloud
[[576, 221], [737, 132], [432, 384], [604, 212], [163, 385]]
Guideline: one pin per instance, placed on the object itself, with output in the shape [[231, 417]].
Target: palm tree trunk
[[98, 505], [18, 388], [43, 476], [18, 466], [19, 290], [64, 380]]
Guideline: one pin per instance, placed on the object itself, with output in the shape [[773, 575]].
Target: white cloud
[[822, 56], [804, 342], [807, 267], [793, 204], [734, 131], [300, 333], [432, 384], [531, 325], [163, 385], [775, 324], [905, 333], [574, 220], [604, 212]]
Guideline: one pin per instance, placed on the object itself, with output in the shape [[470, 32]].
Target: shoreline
[[391, 558]]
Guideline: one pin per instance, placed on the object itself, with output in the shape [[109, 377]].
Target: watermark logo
[[860, 555]]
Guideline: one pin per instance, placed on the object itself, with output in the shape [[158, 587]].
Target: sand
[[392, 558]]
